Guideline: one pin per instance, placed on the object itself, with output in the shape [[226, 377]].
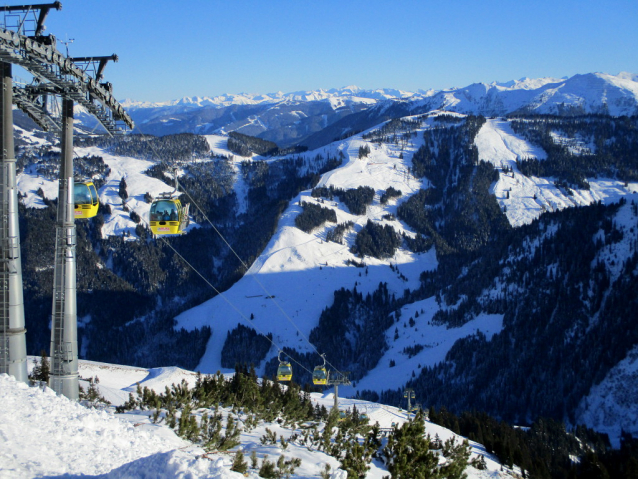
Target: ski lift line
[[268, 294], [243, 316], [245, 266]]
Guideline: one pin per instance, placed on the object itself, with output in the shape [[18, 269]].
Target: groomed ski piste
[[45, 435], [529, 197]]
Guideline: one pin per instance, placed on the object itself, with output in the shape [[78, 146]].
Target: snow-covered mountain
[[297, 275], [285, 118], [615, 95], [293, 280], [595, 93], [335, 95], [295, 118]]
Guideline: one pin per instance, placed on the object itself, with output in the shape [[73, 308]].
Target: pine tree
[[267, 469], [407, 453], [41, 370], [122, 193], [239, 463], [356, 460]]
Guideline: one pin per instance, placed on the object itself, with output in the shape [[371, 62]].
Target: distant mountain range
[[313, 118]]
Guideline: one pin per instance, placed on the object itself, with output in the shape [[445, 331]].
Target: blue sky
[[169, 49]]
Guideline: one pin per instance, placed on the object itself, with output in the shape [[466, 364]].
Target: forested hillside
[[566, 305], [563, 287], [567, 315], [129, 291]]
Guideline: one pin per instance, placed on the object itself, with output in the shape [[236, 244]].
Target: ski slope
[[293, 280], [45, 435], [295, 277], [529, 197]]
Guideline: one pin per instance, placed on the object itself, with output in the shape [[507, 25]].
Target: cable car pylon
[[13, 345], [54, 75], [64, 341]]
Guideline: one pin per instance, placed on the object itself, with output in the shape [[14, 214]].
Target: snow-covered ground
[[293, 280], [295, 277], [45, 435], [610, 406], [436, 340], [529, 197]]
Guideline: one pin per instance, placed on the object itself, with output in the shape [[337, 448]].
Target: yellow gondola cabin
[[85, 199], [168, 216], [320, 376]]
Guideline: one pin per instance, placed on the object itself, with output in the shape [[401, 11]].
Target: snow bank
[[175, 464], [45, 434]]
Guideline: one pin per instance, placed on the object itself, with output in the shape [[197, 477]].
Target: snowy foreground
[[45, 435]]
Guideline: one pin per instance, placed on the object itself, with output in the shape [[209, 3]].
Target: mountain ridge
[[315, 118]]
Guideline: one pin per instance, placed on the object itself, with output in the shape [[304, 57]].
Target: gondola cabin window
[[164, 211]]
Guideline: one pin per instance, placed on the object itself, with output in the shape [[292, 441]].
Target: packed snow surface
[[45, 435]]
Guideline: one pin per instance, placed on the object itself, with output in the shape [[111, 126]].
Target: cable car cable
[[268, 294], [243, 316], [246, 267]]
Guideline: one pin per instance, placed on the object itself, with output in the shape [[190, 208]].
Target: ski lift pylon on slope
[[320, 374], [85, 199], [284, 371], [167, 215]]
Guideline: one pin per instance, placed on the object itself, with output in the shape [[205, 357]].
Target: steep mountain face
[[567, 316], [526, 298], [593, 93]]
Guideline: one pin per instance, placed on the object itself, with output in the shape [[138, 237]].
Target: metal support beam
[[409, 394], [64, 345], [334, 379], [13, 345], [25, 10]]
